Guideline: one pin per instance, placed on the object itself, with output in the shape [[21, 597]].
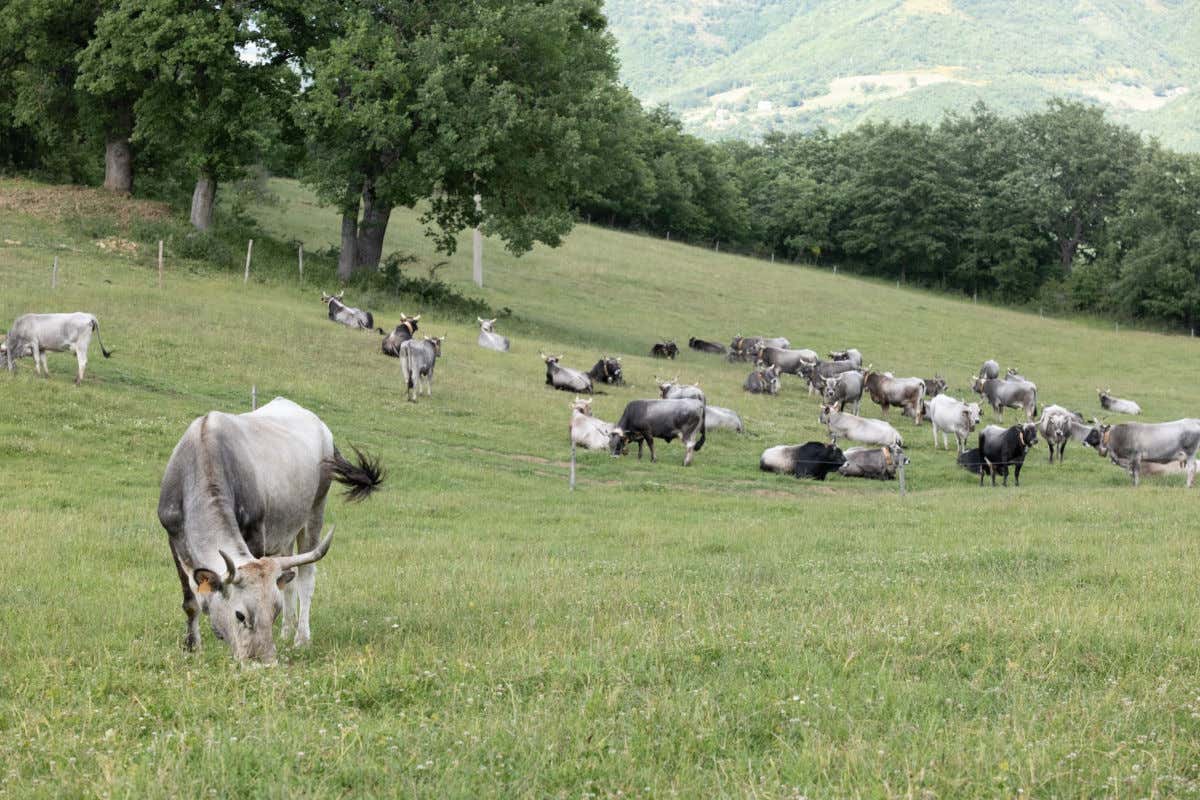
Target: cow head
[[328, 298], [437, 344], [664, 387], [612, 370], [583, 405], [243, 604], [971, 415], [487, 325], [1029, 435], [826, 410], [935, 386], [618, 442], [1098, 437], [977, 382], [551, 361]]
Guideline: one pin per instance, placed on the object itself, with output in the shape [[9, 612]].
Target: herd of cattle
[[243, 495]]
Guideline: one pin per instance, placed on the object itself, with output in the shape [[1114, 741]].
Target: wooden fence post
[[572, 481], [160, 264], [249, 250], [254, 397], [302, 263], [54, 274]]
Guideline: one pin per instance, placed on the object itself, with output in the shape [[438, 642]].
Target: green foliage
[[428, 291]]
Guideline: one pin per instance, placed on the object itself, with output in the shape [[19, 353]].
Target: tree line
[[385, 103]]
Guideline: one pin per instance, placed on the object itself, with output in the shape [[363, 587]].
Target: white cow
[[38, 334], [488, 338], [241, 494], [952, 416], [859, 429], [587, 431]]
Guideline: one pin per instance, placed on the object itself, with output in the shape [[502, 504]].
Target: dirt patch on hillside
[[56, 203]]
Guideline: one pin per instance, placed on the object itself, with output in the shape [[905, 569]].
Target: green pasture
[[479, 631]]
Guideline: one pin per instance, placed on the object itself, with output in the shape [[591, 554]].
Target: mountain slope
[[749, 66]]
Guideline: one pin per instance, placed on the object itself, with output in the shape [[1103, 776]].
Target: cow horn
[[300, 559], [339, 294], [230, 567], [414, 319]]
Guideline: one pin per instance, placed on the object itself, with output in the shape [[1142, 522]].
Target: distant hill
[[745, 67]]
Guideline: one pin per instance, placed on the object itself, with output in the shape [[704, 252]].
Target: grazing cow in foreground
[[489, 339], [844, 388], [998, 451], [564, 378], [706, 347], [789, 361], [808, 460], [417, 360], [948, 415], [850, 354], [1116, 404], [403, 332], [763, 380], [1058, 426], [346, 315], [38, 334], [858, 429], [906, 393], [934, 386], [666, 349], [1001, 394], [1134, 444], [674, 390], [718, 418], [606, 370], [645, 420], [990, 370], [877, 463], [241, 493], [587, 431]]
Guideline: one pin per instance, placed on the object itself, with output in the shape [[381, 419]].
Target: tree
[[437, 101]]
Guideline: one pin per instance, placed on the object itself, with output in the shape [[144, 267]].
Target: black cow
[[808, 460], [647, 420], [667, 349], [996, 453], [607, 370], [706, 347]]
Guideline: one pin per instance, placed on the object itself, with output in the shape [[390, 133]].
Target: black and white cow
[[241, 494], [876, 463], [808, 460], [406, 330], [646, 420], [417, 360], [38, 334], [607, 370], [665, 349], [346, 315], [706, 347], [564, 378], [488, 338], [1134, 444]]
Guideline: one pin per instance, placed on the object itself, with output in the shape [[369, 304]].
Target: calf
[[646, 420], [1116, 404], [858, 429], [403, 332], [587, 431], [809, 460], [948, 415], [764, 380], [488, 338], [1133, 444], [1007, 394], [789, 361], [706, 347], [674, 390], [417, 359], [607, 370], [718, 418], [38, 334], [877, 463], [996, 453], [907, 393], [844, 388], [564, 378], [346, 315], [1058, 426], [851, 355], [667, 349]]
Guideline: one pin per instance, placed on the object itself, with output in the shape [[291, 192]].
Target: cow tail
[[703, 417], [381, 331], [96, 330], [409, 367], [370, 320], [361, 479]]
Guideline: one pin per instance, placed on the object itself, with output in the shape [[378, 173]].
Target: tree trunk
[[348, 257], [118, 163], [202, 201], [1069, 246], [372, 229]]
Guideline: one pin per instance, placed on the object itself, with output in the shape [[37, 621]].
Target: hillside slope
[[480, 631], [743, 68]]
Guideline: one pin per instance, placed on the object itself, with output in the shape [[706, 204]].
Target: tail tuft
[[362, 478]]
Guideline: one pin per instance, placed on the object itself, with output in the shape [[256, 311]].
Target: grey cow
[[347, 315], [38, 334], [241, 494], [488, 338], [844, 388], [1001, 394], [417, 360], [764, 380], [565, 378], [1131, 444], [643, 421], [877, 463]]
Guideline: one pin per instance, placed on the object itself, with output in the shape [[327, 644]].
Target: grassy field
[[479, 631]]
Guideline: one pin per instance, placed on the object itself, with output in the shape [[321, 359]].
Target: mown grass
[[479, 631]]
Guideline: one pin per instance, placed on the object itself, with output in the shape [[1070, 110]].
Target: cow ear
[[285, 577], [207, 581]]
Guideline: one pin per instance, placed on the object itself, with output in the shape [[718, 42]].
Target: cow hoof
[[302, 640], [191, 643]]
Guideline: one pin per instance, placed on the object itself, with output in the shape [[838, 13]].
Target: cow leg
[[81, 360], [306, 576], [1191, 470], [639, 449], [1017, 473], [935, 433], [650, 445], [37, 358], [1135, 469], [689, 451], [983, 467], [191, 607]]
